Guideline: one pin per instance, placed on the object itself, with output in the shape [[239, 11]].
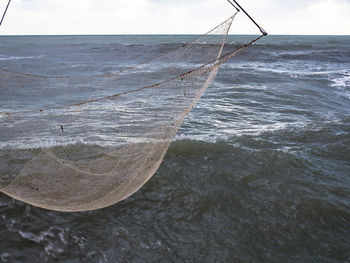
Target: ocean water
[[258, 172]]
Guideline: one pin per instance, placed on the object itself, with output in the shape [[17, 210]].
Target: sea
[[259, 170]]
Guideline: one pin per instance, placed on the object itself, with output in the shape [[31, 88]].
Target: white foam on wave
[[37, 238], [6, 58], [2, 117], [342, 83], [277, 68], [39, 143], [292, 70], [53, 240], [5, 257], [106, 141], [220, 131]]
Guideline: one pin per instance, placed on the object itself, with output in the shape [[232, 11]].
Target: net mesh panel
[[97, 139]]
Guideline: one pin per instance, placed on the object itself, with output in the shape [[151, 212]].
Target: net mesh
[[96, 139]]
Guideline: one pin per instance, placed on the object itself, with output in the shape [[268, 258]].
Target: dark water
[[259, 170]]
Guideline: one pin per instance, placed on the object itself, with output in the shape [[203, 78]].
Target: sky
[[296, 17]]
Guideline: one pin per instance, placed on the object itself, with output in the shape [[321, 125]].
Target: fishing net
[[83, 142]]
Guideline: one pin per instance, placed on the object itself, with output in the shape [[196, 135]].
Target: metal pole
[[3, 16], [261, 30], [233, 5]]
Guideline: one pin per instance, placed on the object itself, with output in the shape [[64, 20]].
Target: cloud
[[170, 16], [315, 17]]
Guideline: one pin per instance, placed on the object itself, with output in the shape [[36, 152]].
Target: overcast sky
[[173, 16]]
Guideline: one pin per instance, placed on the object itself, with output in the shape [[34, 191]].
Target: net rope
[[86, 141]]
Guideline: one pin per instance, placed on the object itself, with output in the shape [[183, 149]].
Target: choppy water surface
[[259, 171]]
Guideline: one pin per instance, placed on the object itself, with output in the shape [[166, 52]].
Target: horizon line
[[162, 34]]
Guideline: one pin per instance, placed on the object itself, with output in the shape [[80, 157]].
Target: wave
[[338, 77], [325, 56], [321, 141], [341, 81], [282, 133]]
